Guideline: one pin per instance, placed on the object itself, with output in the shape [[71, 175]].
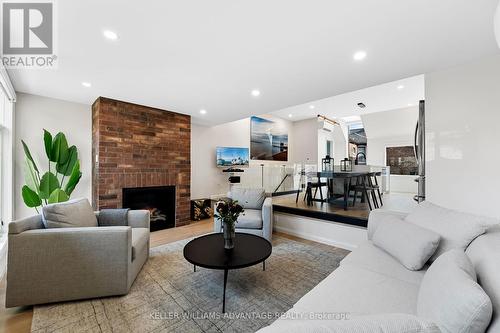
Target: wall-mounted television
[[228, 157]]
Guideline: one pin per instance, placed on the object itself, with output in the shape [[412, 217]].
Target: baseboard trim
[[315, 238]]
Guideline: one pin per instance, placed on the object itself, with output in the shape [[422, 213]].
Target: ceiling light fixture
[[410, 104], [86, 84], [401, 87], [203, 111], [311, 107], [255, 93], [360, 55], [362, 105], [111, 35], [290, 115]]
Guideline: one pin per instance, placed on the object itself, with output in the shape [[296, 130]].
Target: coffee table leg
[[224, 295], [264, 265]]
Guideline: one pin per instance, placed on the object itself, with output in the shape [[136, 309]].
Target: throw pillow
[[457, 229], [410, 244], [450, 296], [73, 213]]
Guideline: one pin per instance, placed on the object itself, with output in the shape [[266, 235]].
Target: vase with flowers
[[227, 212]]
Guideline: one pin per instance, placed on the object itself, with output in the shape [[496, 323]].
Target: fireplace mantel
[[138, 146]]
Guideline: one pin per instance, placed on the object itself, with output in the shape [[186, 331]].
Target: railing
[[279, 179]]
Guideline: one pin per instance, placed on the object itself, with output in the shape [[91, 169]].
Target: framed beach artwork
[[268, 139]]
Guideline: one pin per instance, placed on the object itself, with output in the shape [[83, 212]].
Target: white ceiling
[[187, 55], [388, 96]]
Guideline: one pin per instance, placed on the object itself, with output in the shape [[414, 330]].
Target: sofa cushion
[[73, 213], [140, 238], [450, 296], [484, 253], [457, 229], [372, 258], [250, 219], [249, 198], [410, 244], [386, 323], [358, 291]]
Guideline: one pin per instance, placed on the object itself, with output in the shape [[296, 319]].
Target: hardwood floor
[[18, 320], [166, 236]]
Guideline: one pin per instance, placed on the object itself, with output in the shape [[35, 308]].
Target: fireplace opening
[[159, 200]]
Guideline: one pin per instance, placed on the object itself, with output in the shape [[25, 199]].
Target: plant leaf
[[58, 195], [31, 199], [28, 155], [30, 177], [48, 184], [59, 152], [73, 179], [47, 140], [67, 167]]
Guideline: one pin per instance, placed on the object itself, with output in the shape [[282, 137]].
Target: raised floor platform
[[356, 216]]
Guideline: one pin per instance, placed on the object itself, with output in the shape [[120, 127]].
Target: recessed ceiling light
[[311, 107], [110, 34], [86, 84], [360, 55], [401, 87], [410, 104], [255, 93], [203, 111], [361, 105], [290, 115]]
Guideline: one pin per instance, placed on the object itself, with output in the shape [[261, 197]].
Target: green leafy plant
[[57, 184]]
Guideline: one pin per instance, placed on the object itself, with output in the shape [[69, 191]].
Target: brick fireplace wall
[[139, 146]]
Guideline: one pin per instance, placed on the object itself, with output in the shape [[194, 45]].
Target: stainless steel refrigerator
[[419, 148]]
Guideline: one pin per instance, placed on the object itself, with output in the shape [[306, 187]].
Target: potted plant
[[56, 184], [227, 212]]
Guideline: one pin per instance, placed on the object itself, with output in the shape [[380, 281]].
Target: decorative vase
[[229, 234]]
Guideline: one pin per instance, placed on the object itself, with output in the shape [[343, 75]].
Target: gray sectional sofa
[[68, 263], [372, 291]]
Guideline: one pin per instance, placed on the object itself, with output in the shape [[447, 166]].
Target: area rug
[[168, 296]]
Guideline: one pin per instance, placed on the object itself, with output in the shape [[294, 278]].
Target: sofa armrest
[[30, 223], [138, 218], [67, 263], [378, 215], [267, 219]]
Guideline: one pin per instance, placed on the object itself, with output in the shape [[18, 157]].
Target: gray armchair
[[258, 216], [62, 264]]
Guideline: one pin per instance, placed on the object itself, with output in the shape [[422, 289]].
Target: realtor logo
[[28, 34]]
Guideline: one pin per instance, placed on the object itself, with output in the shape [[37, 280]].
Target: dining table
[[346, 177]]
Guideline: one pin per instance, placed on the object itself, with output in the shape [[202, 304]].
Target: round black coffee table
[[208, 252]]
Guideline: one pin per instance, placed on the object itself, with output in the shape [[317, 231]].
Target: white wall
[[208, 180], [304, 148], [340, 142], [463, 136], [7, 122], [33, 114], [391, 129]]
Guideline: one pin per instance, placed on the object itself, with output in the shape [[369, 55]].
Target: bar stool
[[361, 186], [373, 184], [314, 183]]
